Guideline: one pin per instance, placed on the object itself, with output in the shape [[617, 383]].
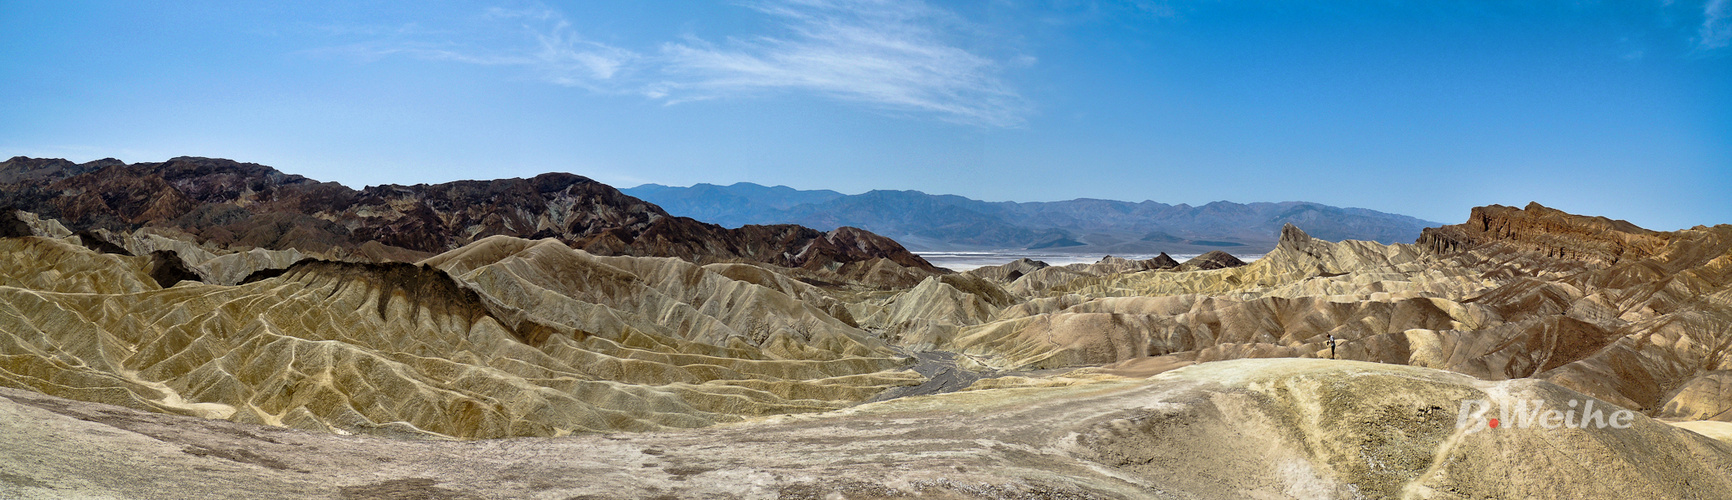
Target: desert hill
[[504, 337]]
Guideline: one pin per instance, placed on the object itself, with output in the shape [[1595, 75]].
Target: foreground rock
[[1238, 429]]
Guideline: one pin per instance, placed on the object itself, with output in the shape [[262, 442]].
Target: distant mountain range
[[953, 223]]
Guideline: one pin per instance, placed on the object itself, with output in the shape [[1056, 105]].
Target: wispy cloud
[[1716, 31], [901, 56], [893, 54], [561, 54], [541, 41]]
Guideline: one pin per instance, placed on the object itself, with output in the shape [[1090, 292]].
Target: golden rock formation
[[532, 339]]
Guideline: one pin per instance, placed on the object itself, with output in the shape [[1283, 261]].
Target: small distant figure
[[1331, 346]]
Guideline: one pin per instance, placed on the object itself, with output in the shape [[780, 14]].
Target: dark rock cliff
[[237, 204]]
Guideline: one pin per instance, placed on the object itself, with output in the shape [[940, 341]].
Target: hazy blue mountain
[[948, 222], [732, 206]]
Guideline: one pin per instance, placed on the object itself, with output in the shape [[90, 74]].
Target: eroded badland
[[198, 328]]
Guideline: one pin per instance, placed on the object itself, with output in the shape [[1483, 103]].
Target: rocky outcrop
[[11, 226], [1213, 260], [16, 223], [167, 268], [929, 315], [1546, 231], [1162, 261], [1010, 271], [845, 245]]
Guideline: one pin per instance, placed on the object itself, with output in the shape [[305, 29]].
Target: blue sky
[[1616, 108]]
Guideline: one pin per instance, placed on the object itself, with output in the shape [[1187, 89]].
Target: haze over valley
[[949, 223]]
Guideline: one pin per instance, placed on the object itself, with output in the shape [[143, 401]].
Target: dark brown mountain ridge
[[235, 204]]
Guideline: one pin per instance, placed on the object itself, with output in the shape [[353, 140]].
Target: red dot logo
[[1493, 423]]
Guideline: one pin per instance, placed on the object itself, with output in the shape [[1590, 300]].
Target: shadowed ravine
[[942, 375]]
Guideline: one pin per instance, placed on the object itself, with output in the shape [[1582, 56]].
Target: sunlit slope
[[54, 265], [407, 350]]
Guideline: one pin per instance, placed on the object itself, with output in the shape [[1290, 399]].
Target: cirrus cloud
[[1716, 30], [892, 54], [540, 41]]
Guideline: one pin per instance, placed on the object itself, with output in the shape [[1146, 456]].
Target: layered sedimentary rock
[[175, 255], [504, 337], [929, 315], [1547, 231]]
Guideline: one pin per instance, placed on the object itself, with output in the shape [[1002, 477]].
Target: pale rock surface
[[1287, 428]]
